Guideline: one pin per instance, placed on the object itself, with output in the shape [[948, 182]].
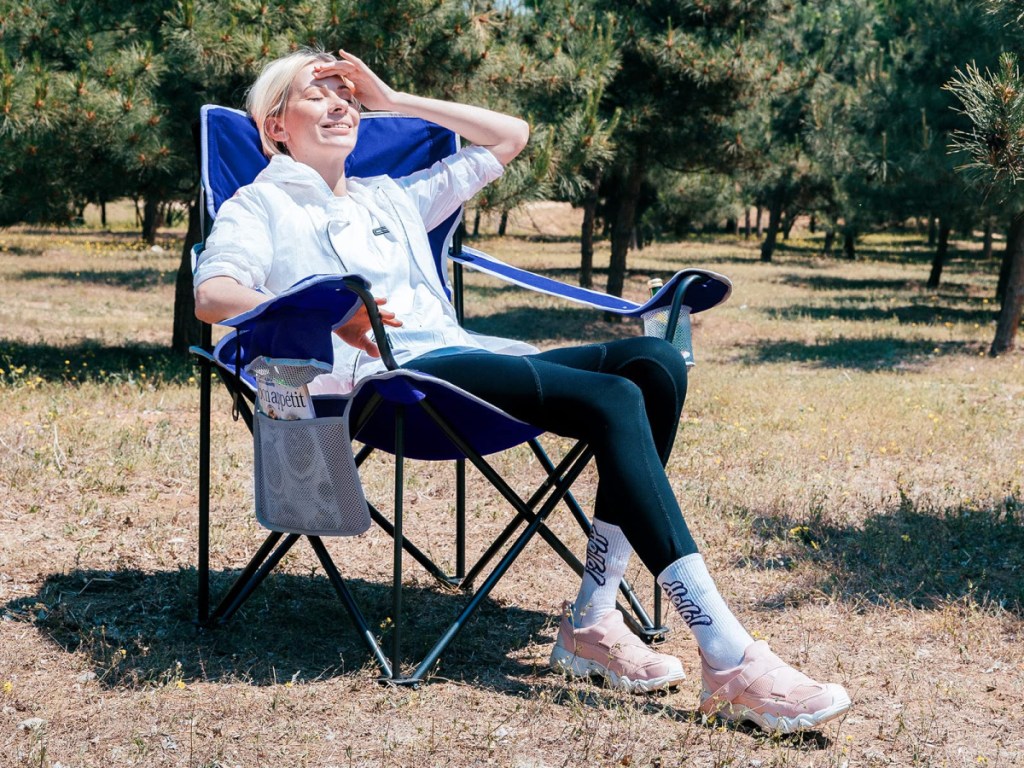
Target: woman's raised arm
[[504, 135]]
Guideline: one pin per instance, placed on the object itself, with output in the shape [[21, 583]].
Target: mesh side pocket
[[656, 324], [305, 477]]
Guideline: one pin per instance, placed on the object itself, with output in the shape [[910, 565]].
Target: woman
[[303, 216]]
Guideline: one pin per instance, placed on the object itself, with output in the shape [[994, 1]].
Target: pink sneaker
[[610, 650], [768, 692]]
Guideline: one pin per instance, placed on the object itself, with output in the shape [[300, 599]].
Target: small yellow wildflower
[[8, 686], [181, 684]]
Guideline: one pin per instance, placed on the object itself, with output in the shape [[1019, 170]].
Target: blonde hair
[[269, 94]]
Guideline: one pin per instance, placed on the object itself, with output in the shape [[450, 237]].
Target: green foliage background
[[658, 116]]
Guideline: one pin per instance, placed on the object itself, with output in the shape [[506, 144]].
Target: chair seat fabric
[[293, 325]]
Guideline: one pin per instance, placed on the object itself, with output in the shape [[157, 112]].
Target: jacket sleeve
[[438, 191], [240, 244]]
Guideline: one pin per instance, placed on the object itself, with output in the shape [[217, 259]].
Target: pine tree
[[686, 68], [556, 70], [926, 41], [127, 79], [802, 145], [994, 145]]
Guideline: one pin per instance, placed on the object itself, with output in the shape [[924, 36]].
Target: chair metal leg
[[417, 554], [526, 512], [258, 569], [650, 630], [203, 565], [460, 520], [396, 587], [503, 565], [350, 604]]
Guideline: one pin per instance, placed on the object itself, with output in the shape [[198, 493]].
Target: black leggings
[[623, 398]]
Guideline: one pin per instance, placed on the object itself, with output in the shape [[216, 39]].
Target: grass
[[849, 461]]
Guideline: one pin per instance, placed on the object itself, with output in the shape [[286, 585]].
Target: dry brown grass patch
[[849, 461]]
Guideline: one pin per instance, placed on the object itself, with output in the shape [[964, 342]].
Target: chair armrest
[[705, 292], [298, 322]]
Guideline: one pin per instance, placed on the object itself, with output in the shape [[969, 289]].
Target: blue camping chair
[[405, 413]]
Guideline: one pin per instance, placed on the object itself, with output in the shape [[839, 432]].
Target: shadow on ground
[[906, 314], [883, 353], [135, 279], [909, 555], [93, 361], [139, 628], [579, 324]]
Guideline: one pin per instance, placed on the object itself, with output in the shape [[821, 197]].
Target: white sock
[[721, 637], [607, 557]]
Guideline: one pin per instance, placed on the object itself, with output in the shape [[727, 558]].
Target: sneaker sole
[[576, 666], [770, 723]]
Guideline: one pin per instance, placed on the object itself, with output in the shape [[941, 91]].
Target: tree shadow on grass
[[886, 285], [93, 361], [137, 628], [883, 353], [922, 314], [135, 279], [909, 555], [539, 323], [910, 251]]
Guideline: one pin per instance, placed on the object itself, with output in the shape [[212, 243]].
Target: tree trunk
[[103, 214], [850, 244], [732, 226], [746, 222], [587, 241], [986, 242], [774, 215], [476, 223], [760, 231], [829, 244], [940, 254], [622, 231], [790, 221], [503, 224], [812, 225], [932, 233], [151, 219], [186, 325], [1013, 295]]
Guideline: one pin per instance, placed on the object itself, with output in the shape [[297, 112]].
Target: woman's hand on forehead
[[371, 91]]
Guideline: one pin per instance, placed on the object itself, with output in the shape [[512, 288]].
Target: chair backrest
[[389, 144]]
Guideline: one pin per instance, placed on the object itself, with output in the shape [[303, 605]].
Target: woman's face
[[320, 121]]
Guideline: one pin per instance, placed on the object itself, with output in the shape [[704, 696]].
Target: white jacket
[[288, 225]]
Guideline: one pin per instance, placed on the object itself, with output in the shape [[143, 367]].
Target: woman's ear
[[274, 128]]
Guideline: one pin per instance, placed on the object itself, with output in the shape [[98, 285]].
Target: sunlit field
[[849, 460]]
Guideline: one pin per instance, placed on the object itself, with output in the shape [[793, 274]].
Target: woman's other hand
[[357, 331]]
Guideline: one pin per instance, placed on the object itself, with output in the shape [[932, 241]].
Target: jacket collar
[[283, 169]]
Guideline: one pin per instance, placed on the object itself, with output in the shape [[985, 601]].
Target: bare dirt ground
[[848, 460]]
